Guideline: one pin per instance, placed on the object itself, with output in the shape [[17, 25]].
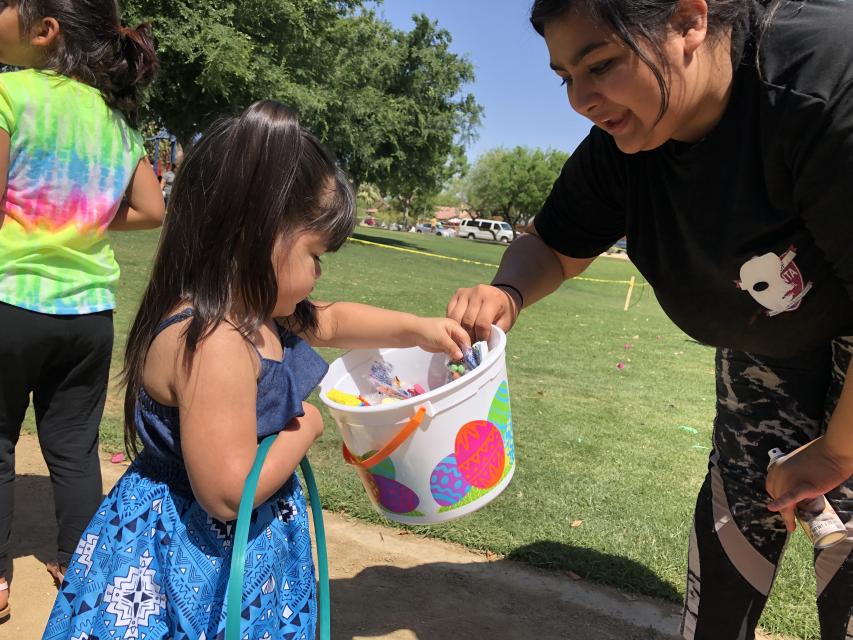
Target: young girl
[[71, 168], [215, 360], [723, 150]]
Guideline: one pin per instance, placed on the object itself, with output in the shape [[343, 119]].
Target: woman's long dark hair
[[93, 47], [249, 181], [633, 21]]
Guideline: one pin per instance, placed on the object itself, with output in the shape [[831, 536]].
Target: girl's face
[[22, 49], [607, 83], [13, 45], [297, 265]]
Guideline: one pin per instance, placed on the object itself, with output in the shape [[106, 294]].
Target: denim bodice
[[282, 386]]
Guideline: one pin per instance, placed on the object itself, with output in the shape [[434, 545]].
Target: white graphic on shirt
[[774, 282]]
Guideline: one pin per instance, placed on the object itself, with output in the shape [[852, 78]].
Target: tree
[[435, 121], [454, 194], [513, 183], [369, 197], [388, 103]]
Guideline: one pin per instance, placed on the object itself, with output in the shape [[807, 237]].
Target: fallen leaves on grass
[[576, 524]]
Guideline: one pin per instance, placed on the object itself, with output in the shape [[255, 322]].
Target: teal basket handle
[[234, 602]]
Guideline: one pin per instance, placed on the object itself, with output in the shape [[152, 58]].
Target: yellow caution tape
[[482, 264]]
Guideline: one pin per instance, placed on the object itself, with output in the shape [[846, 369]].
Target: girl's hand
[[478, 308], [441, 334], [807, 472]]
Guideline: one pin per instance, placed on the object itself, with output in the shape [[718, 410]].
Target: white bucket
[[456, 459]]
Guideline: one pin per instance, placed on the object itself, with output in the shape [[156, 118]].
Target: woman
[[723, 150]]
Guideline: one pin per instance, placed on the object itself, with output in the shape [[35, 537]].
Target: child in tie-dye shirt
[[71, 168]]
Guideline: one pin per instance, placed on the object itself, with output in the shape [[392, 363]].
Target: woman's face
[[607, 83]]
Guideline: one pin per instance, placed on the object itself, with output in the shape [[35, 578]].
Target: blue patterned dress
[[152, 564]]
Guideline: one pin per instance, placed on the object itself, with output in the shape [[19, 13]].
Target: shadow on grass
[[622, 573], [503, 599], [390, 242]]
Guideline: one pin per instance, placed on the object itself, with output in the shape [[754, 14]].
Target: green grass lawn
[[623, 450]]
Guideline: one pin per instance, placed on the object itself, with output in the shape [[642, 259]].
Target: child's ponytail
[[95, 48], [133, 68]]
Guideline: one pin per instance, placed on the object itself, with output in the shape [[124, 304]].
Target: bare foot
[[57, 571]]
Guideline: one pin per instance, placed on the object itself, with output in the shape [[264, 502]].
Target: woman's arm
[[528, 265], [349, 325], [217, 396], [143, 207], [818, 467]]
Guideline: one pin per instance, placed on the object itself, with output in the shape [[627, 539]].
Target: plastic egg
[[480, 453], [447, 484]]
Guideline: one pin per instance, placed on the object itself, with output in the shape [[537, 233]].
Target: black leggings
[[737, 543], [64, 362]]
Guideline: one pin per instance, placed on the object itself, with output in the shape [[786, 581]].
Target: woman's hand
[[441, 334], [807, 472], [478, 308]]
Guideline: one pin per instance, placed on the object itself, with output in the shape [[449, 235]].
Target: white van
[[486, 230]]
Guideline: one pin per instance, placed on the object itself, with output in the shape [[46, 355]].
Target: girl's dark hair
[[93, 47], [633, 21], [248, 181]]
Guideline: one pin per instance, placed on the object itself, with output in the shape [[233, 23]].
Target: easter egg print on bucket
[[394, 496], [480, 453], [500, 415], [385, 468], [447, 484]]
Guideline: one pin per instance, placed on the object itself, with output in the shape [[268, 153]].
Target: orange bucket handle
[[389, 448]]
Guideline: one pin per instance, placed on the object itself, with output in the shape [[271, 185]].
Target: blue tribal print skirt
[[152, 565]]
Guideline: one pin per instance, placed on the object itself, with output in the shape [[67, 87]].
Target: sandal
[[6, 611], [57, 571]]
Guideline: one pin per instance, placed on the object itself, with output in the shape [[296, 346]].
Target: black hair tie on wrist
[[509, 286]]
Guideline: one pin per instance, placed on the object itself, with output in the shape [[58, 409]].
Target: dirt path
[[384, 584]]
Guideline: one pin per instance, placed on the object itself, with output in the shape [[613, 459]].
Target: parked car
[[438, 229], [486, 230], [369, 222]]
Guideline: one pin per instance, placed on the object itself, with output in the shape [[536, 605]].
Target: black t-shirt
[[747, 235]]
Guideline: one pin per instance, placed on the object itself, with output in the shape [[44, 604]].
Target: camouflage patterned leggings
[[736, 543]]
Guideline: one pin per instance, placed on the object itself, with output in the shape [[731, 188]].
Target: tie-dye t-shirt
[[71, 160]]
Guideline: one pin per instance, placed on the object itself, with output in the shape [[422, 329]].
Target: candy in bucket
[[389, 388]]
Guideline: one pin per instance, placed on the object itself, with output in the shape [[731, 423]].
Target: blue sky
[[523, 100]]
